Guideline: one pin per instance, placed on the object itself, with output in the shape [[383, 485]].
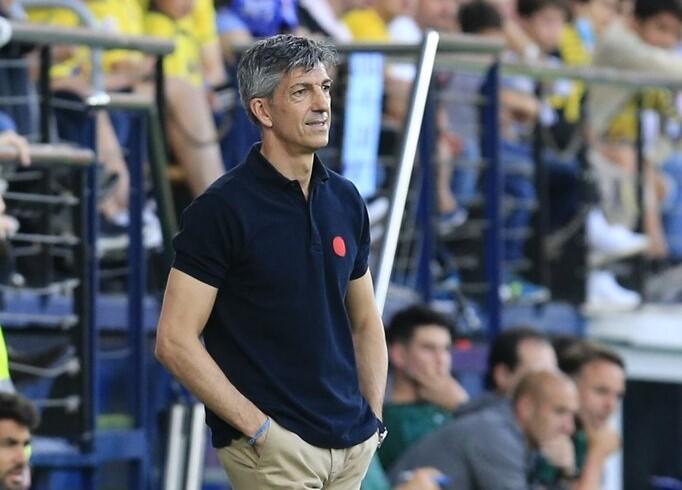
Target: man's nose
[[320, 100], [20, 456]]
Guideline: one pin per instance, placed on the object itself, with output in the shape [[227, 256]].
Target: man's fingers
[[18, 142]]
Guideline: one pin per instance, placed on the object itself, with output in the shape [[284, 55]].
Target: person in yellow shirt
[[123, 69], [367, 24], [192, 70]]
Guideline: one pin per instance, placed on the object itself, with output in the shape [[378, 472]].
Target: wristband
[[259, 433], [382, 432]]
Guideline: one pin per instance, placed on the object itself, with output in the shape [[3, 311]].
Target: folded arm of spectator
[[602, 443], [561, 453]]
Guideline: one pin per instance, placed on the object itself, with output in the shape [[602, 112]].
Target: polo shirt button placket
[[313, 231]]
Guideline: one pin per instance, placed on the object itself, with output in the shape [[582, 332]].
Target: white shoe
[[605, 295], [609, 242]]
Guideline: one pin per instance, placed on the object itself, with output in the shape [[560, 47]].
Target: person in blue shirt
[[262, 18]]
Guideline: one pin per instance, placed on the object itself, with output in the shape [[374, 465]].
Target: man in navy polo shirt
[[271, 268]]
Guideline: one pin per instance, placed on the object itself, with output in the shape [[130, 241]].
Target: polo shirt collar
[[263, 169]]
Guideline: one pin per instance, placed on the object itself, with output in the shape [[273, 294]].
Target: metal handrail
[[44, 35], [50, 154], [452, 43], [543, 71], [89, 20], [408, 153]]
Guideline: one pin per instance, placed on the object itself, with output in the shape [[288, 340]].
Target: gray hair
[[263, 66]]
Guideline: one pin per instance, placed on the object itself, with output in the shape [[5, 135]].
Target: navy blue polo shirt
[[279, 328]]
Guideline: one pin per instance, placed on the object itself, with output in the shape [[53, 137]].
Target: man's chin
[[15, 480], [318, 145], [14, 483]]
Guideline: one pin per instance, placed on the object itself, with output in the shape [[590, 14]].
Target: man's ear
[[501, 377], [260, 108], [397, 355], [524, 409]]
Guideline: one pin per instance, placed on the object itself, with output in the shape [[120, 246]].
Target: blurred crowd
[[537, 424], [208, 133], [542, 423]]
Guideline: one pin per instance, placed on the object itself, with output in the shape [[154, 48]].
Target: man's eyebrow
[[310, 84]]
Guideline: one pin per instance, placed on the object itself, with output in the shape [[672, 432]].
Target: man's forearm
[[191, 364], [591, 474], [372, 361]]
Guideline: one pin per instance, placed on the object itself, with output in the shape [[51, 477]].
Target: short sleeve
[[362, 257], [207, 240]]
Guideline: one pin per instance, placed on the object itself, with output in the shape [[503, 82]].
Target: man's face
[[533, 355], [427, 354], [437, 14], [601, 386], [14, 438], [390, 8], [299, 112], [545, 28], [552, 413], [602, 13], [507, 8], [175, 9], [661, 30]]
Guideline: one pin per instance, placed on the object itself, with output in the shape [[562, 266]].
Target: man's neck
[[293, 166], [404, 391]]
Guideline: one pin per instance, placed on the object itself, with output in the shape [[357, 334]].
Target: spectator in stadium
[[192, 71], [558, 111], [8, 137], [423, 391], [599, 375], [271, 268], [644, 41], [494, 447], [520, 111], [513, 353], [71, 78], [18, 417], [564, 138]]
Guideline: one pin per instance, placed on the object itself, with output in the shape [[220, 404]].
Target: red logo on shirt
[[339, 246]]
